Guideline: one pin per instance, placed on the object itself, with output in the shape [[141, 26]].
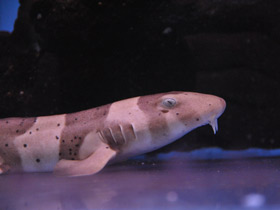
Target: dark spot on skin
[[37, 129], [177, 113], [197, 119], [56, 137], [75, 153], [63, 141], [17, 131], [35, 120], [107, 147], [6, 145], [186, 124], [73, 159], [60, 154], [25, 145], [58, 125], [97, 108], [76, 119], [21, 123], [77, 145], [159, 114], [7, 122], [129, 113], [104, 113], [210, 104], [75, 137], [164, 111], [72, 140], [70, 150], [38, 160], [80, 138], [30, 132]]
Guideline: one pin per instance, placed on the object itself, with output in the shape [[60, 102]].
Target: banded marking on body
[[76, 141], [10, 128], [157, 122], [38, 147]]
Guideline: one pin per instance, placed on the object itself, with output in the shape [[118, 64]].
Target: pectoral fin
[[91, 165]]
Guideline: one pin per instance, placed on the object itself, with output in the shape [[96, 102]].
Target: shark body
[[82, 143]]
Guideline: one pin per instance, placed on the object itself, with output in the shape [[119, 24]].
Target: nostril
[[222, 106]]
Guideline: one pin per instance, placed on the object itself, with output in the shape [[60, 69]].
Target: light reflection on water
[[178, 183]]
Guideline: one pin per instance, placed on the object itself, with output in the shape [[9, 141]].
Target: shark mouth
[[214, 125]]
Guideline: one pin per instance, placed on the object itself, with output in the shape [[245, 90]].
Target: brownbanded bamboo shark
[[82, 143]]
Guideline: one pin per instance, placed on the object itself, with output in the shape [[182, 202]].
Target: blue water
[[216, 154], [8, 14]]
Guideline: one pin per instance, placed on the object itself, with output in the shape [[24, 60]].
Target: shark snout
[[220, 106]]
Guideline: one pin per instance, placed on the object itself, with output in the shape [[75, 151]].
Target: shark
[[83, 143]]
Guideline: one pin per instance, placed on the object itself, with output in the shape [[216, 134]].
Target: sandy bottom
[[173, 184]]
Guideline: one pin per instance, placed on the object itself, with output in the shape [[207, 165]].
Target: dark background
[[69, 55]]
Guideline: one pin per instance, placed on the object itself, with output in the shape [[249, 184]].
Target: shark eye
[[169, 102]]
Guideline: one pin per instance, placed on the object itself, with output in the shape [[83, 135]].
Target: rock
[[65, 56]]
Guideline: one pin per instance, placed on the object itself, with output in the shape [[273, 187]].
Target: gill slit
[[122, 132], [133, 131], [111, 132], [101, 136]]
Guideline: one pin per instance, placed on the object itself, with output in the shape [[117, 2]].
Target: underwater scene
[[131, 104]]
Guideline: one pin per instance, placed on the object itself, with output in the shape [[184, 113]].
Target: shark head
[[157, 120]]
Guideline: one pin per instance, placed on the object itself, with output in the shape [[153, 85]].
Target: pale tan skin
[[83, 143]]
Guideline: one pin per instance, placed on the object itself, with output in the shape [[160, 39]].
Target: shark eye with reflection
[[169, 102]]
